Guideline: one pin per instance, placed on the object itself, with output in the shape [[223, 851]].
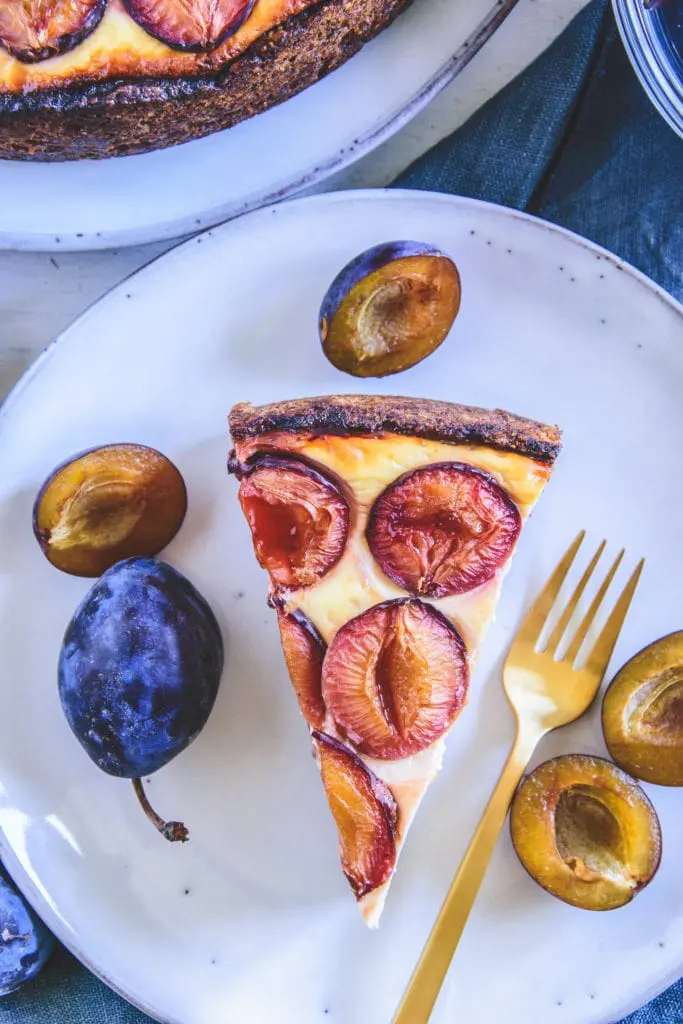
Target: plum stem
[[174, 831]]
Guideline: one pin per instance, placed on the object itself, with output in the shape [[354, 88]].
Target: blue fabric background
[[576, 141]]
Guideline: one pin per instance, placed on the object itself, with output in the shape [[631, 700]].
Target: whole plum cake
[[386, 526], [96, 78]]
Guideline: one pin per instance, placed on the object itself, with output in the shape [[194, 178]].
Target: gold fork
[[545, 694]]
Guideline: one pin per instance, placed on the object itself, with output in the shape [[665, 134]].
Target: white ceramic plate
[[177, 191], [251, 922]]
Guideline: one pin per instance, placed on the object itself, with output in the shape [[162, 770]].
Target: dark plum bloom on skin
[[25, 942], [139, 667]]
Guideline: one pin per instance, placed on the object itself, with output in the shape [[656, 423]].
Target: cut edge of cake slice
[[343, 453]]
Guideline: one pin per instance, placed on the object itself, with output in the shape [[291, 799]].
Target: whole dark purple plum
[[25, 942], [139, 671], [389, 308]]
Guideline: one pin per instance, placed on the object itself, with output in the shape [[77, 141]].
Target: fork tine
[[601, 652], [582, 631], [559, 630], [531, 628]]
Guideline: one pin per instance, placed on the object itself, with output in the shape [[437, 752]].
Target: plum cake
[[97, 78], [386, 526]]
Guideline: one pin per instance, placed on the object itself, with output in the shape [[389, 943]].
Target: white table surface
[[41, 293]]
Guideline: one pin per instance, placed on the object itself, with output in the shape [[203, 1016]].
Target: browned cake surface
[[116, 117], [419, 417]]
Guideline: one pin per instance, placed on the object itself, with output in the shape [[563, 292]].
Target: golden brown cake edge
[[121, 117], [420, 417]]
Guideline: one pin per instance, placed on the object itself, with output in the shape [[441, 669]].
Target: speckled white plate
[[177, 191], [251, 922]]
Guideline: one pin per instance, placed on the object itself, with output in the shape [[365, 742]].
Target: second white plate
[[251, 922], [177, 191]]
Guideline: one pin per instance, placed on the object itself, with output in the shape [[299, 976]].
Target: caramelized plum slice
[[33, 30], [192, 25], [443, 529], [364, 811], [642, 713], [108, 504], [299, 519], [586, 832], [389, 309], [304, 650], [395, 678]]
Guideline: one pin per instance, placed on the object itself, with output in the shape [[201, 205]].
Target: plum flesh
[[107, 504], [389, 309], [195, 26], [139, 669], [33, 30], [642, 713], [365, 813], [443, 529], [25, 943], [299, 518], [586, 832], [395, 678], [304, 650]]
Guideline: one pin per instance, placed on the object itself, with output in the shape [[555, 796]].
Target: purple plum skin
[[61, 43], [367, 263], [139, 668], [389, 309], [25, 943]]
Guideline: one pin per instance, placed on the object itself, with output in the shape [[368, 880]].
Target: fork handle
[[424, 986]]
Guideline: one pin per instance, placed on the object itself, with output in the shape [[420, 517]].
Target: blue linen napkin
[[574, 140]]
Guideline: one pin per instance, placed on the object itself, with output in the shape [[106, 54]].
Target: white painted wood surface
[[41, 293]]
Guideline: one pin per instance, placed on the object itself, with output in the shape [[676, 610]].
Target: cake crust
[[420, 417], [121, 117]]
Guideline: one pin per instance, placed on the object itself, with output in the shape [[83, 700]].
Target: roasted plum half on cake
[[389, 309], [139, 671], [364, 811], [107, 504], [299, 518], [304, 650], [33, 30], [586, 832], [443, 529], [642, 713], [196, 27], [395, 678]]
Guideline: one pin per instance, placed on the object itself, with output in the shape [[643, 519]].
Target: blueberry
[[139, 669], [25, 942]]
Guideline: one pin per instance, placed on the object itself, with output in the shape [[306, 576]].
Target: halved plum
[[642, 713], [586, 832], [33, 30], [299, 519], [389, 309], [364, 811], [195, 26], [107, 504], [395, 678], [443, 529], [304, 650]]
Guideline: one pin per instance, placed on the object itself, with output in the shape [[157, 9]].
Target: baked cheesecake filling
[[380, 639], [53, 43]]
